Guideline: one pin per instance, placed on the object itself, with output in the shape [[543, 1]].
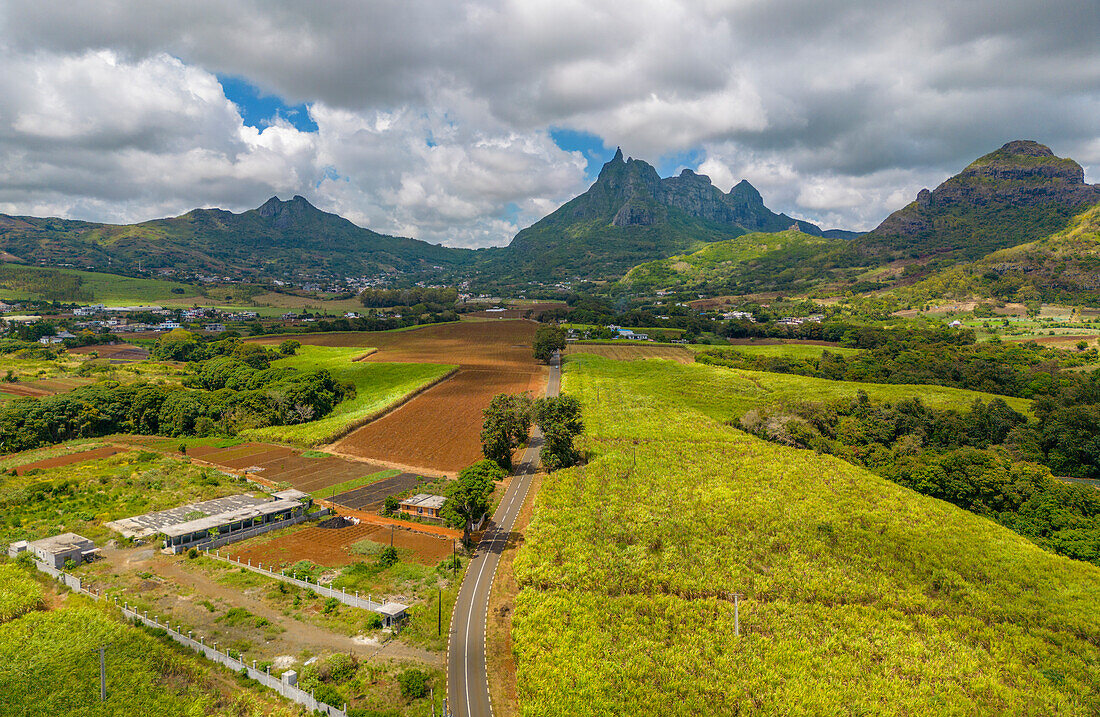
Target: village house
[[424, 505]]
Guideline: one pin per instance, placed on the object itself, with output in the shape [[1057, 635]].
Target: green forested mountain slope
[[752, 262], [1061, 268], [631, 215], [277, 238]]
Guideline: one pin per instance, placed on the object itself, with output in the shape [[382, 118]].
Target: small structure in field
[[424, 505], [55, 551]]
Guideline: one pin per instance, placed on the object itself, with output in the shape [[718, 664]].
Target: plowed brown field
[[439, 430], [331, 547], [69, 459]]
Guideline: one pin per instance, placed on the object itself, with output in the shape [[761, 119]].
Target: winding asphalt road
[[467, 677]]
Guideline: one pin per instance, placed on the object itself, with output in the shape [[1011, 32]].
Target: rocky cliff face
[[1011, 196], [630, 193]]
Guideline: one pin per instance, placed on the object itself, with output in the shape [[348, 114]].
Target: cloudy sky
[[463, 122]]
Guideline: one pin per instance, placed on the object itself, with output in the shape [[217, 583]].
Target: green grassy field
[[20, 594], [110, 289], [791, 351], [377, 387], [81, 497], [49, 665], [699, 386], [859, 596]]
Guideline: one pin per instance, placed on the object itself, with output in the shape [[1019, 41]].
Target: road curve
[[467, 676]]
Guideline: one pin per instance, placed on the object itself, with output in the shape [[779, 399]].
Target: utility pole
[[102, 674], [439, 626], [454, 560]]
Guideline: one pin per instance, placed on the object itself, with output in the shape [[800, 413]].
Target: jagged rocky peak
[[690, 174], [285, 213]]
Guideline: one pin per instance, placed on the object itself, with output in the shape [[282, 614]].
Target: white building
[[57, 550]]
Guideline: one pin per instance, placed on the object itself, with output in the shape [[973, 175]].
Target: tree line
[[980, 460]]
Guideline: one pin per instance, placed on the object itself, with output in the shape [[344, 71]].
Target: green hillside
[[752, 262], [1062, 268], [277, 238], [859, 596], [70, 285]]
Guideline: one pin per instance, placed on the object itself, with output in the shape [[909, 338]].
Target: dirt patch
[[632, 352], [371, 496], [332, 547], [117, 353], [45, 387], [69, 459], [273, 463], [440, 428]]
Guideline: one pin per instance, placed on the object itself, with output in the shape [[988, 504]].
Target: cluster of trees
[[508, 422], [443, 298], [1026, 370], [233, 388], [468, 495], [548, 339], [976, 460]]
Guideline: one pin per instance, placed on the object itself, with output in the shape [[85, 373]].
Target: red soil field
[[331, 547], [71, 458], [277, 464], [119, 353], [439, 430], [45, 387]]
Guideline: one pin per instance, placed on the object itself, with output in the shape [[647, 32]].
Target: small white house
[[57, 550]]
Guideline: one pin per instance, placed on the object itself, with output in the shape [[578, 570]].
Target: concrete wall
[[352, 600], [291, 692], [252, 532]]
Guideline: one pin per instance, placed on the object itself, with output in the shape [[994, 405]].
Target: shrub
[[388, 556], [330, 605], [414, 683], [193, 553]]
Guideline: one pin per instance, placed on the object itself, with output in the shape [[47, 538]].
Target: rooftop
[[142, 526], [425, 500], [219, 519], [62, 543]]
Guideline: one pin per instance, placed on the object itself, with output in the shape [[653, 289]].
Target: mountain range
[[630, 215], [278, 238], [718, 241]]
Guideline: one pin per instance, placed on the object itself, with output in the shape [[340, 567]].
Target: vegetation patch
[[847, 580]]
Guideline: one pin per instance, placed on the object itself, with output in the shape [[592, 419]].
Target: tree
[[468, 495], [289, 347], [548, 339], [507, 426], [559, 419]]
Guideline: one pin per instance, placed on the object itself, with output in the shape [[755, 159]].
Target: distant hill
[[1061, 268], [752, 262], [278, 238], [1017, 194], [631, 215]]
